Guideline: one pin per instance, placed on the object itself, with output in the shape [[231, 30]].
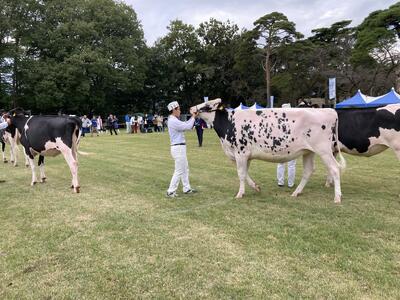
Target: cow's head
[[207, 109]]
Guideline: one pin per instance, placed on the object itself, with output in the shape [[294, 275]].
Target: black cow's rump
[[357, 126]]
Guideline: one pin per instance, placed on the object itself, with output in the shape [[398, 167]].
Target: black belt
[[180, 144]]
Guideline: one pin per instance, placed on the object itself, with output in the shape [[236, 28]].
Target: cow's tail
[[342, 161], [83, 153]]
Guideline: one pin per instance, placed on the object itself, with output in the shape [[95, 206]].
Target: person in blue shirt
[[94, 126], [128, 123], [176, 129]]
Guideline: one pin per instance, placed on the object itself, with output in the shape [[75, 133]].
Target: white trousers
[[181, 172], [280, 173], [128, 127]]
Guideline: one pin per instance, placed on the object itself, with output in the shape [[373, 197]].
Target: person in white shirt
[[291, 166], [176, 130], [4, 123]]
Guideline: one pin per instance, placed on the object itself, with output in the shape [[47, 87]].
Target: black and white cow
[[276, 135], [369, 131], [11, 136], [49, 136]]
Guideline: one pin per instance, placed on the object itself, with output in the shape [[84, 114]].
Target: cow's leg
[[329, 179], [32, 164], [3, 148], [73, 166], [308, 169], [41, 167], [241, 165], [250, 181], [26, 160], [13, 152], [334, 172]]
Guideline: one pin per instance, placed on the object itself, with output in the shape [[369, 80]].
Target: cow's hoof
[[27, 166], [328, 184], [77, 189], [295, 194], [338, 200], [257, 188], [43, 180], [239, 196], [5, 161], [33, 183]]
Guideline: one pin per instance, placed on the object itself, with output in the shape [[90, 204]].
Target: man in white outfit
[[176, 130], [3, 125], [280, 170]]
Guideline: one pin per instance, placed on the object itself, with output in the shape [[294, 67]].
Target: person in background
[[86, 123], [94, 126], [115, 124], [176, 129], [291, 166], [134, 124], [140, 123], [5, 121], [128, 123], [110, 124], [99, 124], [159, 123], [200, 124]]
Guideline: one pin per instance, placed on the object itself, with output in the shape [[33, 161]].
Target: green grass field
[[122, 238]]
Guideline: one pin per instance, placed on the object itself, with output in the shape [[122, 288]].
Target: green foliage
[[90, 56]]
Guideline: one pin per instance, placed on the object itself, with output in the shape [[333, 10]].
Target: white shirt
[[3, 123], [176, 128]]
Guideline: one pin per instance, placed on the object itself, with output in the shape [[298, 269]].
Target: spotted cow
[[49, 136], [11, 136], [276, 135], [369, 131]]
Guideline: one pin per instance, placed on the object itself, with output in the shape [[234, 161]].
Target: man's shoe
[[191, 191], [280, 185], [172, 195]]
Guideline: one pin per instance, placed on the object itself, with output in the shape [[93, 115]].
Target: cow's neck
[[222, 125], [19, 122]]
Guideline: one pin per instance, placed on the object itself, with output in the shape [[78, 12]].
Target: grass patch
[[122, 238]]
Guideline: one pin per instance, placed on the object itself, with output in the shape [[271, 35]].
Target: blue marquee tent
[[390, 98], [359, 100], [241, 107], [256, 106]]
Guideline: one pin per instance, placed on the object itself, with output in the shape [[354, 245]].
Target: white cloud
[[155, 15]]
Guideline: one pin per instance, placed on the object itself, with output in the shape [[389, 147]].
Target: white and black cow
[[11, 136], [276, 135], [369, 131], [49, 136]]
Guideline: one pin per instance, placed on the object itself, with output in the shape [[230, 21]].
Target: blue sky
[[155, 15]]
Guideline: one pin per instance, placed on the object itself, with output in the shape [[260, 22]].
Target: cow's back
[[281, 134], [40, 130]]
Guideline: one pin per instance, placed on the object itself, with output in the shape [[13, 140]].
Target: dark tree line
[[75, 56]]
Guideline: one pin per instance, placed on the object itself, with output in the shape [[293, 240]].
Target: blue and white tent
[[359, 100], [390, 98], [255, 106], [241, 107]]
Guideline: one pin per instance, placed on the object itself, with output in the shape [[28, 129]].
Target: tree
[[271, 32], [179, 51], [378, 41], [218, 45]]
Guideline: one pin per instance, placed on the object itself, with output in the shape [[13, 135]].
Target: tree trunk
[[397, 79], [268, 76], [14, 76]]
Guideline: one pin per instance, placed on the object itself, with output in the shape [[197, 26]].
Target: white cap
[[172, 105], [286, 105]]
